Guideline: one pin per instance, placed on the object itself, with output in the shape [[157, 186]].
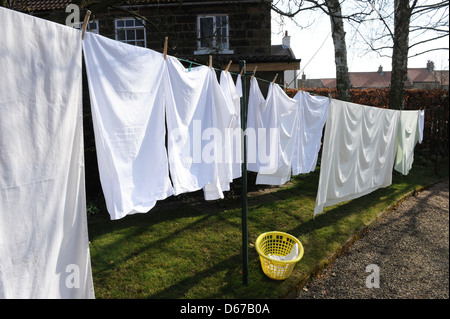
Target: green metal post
[[244, 174]]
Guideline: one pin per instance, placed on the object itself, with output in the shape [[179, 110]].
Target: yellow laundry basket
[[281, 244]]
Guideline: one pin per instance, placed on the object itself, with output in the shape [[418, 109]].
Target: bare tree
[[405, 25], [333, 9], [340, 49], [402, 15]]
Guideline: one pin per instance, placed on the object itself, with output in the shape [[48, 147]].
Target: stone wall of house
[[249, 26]]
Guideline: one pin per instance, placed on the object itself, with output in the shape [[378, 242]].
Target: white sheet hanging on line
[[421, 124], [408, 134], [197, 115], [44, 245], [239, 86], [127, 94], [233, 96], [261, 142], [358, 152], [285, 111], [313, 112]]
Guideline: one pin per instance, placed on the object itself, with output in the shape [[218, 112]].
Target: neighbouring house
[[417, 78], [227, 30]]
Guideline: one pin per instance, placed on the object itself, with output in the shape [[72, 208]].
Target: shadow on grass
[[210, 227]]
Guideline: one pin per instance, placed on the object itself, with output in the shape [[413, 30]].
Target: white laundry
[[313, 112], [358, 152], [127, 99], [233, 96], [44, 245], [421, 124], [285, 111], [261, 132], [197, 115], [291, 256], [408, 134], [239, 85], [224, 122]]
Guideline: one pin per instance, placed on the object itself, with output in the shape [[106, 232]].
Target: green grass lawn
[[189, 248]]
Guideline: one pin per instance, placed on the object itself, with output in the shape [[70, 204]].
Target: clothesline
[[216, 69]]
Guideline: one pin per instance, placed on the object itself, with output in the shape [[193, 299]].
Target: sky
[[314, 46]]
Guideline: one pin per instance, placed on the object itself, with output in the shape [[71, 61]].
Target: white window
[[213, 35], [131, 31]]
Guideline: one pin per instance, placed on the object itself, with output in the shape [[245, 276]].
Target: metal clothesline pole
[[242, 66]]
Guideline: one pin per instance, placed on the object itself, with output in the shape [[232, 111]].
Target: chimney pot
[[286, 41]]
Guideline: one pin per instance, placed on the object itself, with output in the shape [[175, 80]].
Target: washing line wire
[[199, 64], [311, 58]]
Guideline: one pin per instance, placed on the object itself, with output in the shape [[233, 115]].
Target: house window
[[213, 35], [131, 31]]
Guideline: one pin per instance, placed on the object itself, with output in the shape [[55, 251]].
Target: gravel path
[[408, 248]]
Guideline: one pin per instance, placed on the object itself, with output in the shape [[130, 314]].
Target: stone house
[[227, 30]]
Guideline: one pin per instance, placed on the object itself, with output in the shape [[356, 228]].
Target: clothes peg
[[228, 66], [275, 78], [166, 40], [85, 22], [254, 72], [210, 61], [242, 71]]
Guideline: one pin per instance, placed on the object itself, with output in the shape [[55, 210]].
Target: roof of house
[[49, 5], [40, 5], [382, 79], [281, 50], [424, 75]]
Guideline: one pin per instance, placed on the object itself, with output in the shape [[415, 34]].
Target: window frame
[[214, 48], [135, 27]]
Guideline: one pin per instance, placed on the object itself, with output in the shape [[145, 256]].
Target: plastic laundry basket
[[281, 244]]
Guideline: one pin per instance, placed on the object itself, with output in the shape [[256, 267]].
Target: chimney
[[380, 70], [430, 66], [286, 41]]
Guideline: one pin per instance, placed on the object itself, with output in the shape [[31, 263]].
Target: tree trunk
[[400, 54], [340, 49]]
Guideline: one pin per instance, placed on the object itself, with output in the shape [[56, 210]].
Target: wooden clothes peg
[[275, 78], [254, 72], [85, 22], [210, 61], [166, 41], [228, 66]]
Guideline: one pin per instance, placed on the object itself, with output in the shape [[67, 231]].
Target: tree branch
[[420, 53]]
